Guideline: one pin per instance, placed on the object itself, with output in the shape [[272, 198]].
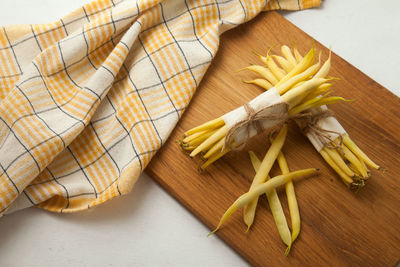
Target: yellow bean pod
[[304, 64], [264, 72], [287, 53], [292, 201], [261, 82], [276, 71], [216, 123], [358, 152], [262, 174], [284, 63], [275, 206], [210, 141]]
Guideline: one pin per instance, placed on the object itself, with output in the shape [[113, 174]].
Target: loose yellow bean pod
[[275, 206], [262, 173], [292, 202], [246, 198]]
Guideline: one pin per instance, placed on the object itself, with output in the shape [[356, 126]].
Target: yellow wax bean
[[279, 216], [304, 64], [322, 89], [337, 158], [216, 123], [294, 97], [292, 201], [287, 53], [261, 175], [298, 84], [275, 206], [261, 82], [355, 161], [191, 137], [324, 70], [285, 64], [325, 86], [358, 152], [254, 160], [201, 138], [365, 167], [346, 179], [297, 55], [246, 198], [304, 106], [316, 102], [295, 80], [198, 136], [210, 141], [278, 72], [214, 158], [215, 148], [262, 58], [264, 72], [330, 100]]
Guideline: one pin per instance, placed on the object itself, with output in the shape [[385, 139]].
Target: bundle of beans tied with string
[[318, 123], [294, 87]]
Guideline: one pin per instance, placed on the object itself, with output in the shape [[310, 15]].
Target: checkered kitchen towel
[[86, 101]]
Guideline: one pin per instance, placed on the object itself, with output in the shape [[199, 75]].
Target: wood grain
[[339, 227]]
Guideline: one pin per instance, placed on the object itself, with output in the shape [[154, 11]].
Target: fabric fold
[[88, 100]]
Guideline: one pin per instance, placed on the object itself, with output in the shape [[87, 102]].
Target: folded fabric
[[85, 102]]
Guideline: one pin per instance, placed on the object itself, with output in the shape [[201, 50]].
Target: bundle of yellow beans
[[300, 84], [335, 145], [342, 154]]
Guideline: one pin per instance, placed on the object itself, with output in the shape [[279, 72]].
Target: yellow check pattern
[[85, 102]]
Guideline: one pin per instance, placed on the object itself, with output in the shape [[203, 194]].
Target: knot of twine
[[308, 122], [254, 119]]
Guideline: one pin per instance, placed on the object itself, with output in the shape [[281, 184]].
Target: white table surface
[[148, 227]]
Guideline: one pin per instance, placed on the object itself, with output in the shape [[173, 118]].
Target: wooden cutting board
[[339, 227]]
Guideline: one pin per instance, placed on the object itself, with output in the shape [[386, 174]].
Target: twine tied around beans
[[254, 119], [308, 122]]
